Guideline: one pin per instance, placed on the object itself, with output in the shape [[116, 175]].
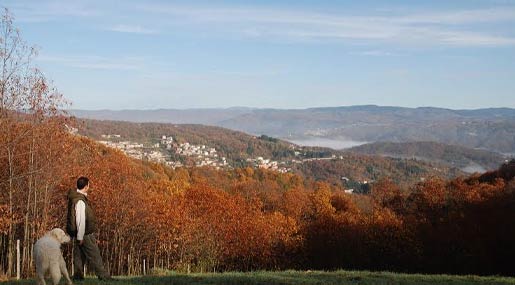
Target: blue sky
[[279, 54]]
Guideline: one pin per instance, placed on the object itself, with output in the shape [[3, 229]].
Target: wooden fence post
[[144, 267], [18, 259]]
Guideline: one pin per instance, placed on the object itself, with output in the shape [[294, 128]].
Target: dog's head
[[60, 235]]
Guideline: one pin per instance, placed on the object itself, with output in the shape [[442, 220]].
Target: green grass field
[[295, 277]]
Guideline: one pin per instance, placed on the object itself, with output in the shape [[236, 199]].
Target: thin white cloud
[[44, 11], [462, 17], [458, 28], [454, 28], [94, 62], [476, 39], [378, 53], [132, 29]]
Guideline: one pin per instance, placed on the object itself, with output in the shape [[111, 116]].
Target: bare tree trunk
[[45, 207], [2, 257], [11, 215], [27, 214]]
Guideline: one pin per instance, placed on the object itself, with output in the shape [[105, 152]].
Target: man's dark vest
[[71, 225]]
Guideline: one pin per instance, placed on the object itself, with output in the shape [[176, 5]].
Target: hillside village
[[178, 152], [167, 149], [164, 150], [172, 153]]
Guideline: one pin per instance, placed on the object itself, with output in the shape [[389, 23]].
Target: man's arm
[[80, 219]]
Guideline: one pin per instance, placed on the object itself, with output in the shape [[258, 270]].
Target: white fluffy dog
[[48, 257]]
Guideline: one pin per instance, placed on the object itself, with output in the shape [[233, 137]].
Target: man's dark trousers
[[88, 252]]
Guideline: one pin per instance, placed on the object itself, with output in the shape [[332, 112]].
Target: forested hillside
[[235, 145], [467, 159], [405, 215], [316, 163], [248, 219]]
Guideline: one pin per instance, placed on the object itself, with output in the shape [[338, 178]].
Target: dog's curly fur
[[48, 257]]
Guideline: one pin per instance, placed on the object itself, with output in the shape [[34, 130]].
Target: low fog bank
[[324, 142]]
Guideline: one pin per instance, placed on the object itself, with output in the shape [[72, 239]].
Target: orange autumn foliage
[[202, 219]]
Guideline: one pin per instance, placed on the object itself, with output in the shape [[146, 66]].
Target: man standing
[[81, 225]]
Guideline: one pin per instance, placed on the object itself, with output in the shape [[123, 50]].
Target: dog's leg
[[55, 272], [40, 276], [64, 271], [41, 269]]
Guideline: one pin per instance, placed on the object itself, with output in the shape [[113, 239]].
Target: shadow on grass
[[253, 278], [315, 277], [228, 278], [293, 277]]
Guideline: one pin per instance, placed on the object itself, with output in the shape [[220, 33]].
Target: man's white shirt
[[80, 216]]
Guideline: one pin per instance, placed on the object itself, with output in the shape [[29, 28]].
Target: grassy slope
[[300, 277]]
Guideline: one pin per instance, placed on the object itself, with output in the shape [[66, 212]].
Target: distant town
[[167, 150], [172, 153]]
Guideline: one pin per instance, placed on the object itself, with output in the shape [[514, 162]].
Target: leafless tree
[[30, 119]]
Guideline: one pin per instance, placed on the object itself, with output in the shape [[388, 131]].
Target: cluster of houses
[[160, 152], [204, 156], [111, 136], [132, 149], [260, 162], [155, 156], [71, 130], [167, 142]]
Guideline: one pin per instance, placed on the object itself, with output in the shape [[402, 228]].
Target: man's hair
[[82, 182]]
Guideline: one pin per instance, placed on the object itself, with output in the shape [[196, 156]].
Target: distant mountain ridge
[[490, 128], [176, 116]]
